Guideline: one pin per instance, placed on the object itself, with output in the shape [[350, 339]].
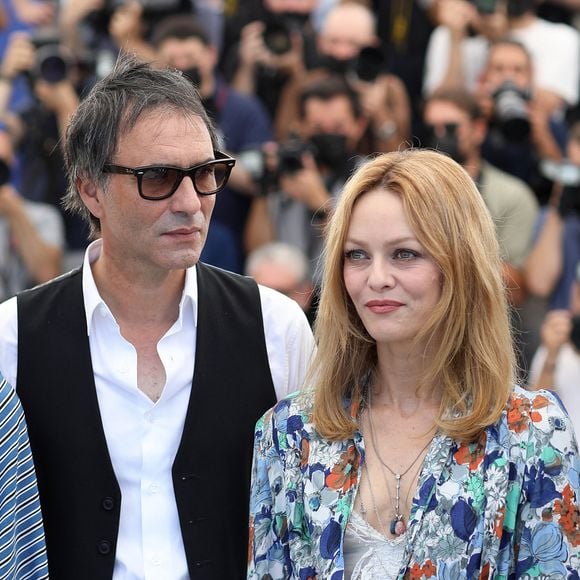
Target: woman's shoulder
[[291, 414], [536, 414]]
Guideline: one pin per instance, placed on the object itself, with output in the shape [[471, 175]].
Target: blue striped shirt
[[22, 548]]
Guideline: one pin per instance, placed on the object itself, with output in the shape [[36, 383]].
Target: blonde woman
[[414, 455]]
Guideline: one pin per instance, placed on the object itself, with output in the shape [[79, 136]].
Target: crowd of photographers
[[300, 91]]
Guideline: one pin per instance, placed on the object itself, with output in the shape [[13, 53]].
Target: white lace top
[[368, 555]]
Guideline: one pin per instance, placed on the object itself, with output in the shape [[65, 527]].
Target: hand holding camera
[[306, 185], [272, 46], [19, 57]]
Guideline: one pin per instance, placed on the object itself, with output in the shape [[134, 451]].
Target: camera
[[447, 142], [290, 155], [369, 63], [4, 173], [277, 35], [265, 168], [51, 65], [511, 112], [568, 175]]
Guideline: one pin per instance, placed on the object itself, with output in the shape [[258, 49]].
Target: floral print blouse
[[506, 506]]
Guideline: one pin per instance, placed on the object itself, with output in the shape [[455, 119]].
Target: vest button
[[104, 547], [108, 503]]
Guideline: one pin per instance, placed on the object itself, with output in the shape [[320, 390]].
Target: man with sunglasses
[[142, 373]]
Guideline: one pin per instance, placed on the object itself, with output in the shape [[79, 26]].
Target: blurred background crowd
[[301, 91]]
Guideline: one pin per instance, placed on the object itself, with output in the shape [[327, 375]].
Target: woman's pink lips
[[383, 306]]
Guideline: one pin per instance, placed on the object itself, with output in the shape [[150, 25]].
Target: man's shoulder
[[501, 184]]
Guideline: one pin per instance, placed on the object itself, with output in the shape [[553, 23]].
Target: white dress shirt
[[143, 436]]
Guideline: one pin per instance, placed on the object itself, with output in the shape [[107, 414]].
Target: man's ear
[[90, 195]]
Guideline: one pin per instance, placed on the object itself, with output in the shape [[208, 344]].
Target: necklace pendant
[[398, 527]]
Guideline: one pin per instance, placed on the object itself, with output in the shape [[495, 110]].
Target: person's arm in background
[[18, 57], [454, 16], [544, 264], [41, 259], [127, 29], [386, 104], [259, 228], [555, 333], [60, 98], [71, 15]]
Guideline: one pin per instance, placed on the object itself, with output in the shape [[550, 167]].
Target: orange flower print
[[569, 514], [471, 453], [498, 524], [416, 572], [304, 452], [518, 415], [343, 474], [429, 569]]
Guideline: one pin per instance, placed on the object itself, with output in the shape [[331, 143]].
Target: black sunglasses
[[156, 182]]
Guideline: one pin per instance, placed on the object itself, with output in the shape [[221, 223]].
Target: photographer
[[348, 45], [45, 65], [522, 130], [551, 265], [309, 170], [556, 364], [459, 46], [277, 46], [31, 234], [457, 127]]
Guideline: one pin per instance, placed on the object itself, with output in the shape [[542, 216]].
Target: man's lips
[[383, 306], [183, 232]]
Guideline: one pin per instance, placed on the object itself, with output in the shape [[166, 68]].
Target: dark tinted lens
[[158, 181], [211, 178]]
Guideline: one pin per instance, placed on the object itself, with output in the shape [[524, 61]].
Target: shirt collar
[[94, 302]]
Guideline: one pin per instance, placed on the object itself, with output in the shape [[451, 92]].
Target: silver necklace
[[397, 525]]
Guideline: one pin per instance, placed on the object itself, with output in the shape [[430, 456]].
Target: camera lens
[[50, 65], [276, 36], [511, 112]]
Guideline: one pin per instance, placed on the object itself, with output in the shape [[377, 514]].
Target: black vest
[[80, 498]]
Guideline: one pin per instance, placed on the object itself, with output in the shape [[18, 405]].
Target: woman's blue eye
[[354, 255], [405, 254]]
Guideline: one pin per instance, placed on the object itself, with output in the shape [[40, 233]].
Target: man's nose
[[186, 199]]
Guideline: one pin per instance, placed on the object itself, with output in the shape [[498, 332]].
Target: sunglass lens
[[158, 181]]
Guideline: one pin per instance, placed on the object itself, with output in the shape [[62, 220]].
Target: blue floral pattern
[[504, 507]]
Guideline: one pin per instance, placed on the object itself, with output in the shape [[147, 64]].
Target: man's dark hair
[[461, 98], [180, 27], [111, 109], [327, 89]]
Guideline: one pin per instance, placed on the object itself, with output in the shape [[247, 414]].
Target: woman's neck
[[397, 383]]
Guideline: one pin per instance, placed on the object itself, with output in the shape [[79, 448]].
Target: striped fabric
[[22, 549]]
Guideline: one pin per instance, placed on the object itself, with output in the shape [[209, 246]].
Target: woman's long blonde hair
[[472, 358]]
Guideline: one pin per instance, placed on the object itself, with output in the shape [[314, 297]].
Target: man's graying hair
[[111, 109]]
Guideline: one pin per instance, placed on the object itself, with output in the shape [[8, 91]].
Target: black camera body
[[511, 112], [277, 35], [290, 155], [4, 173], [51, 64], [447, 143]]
